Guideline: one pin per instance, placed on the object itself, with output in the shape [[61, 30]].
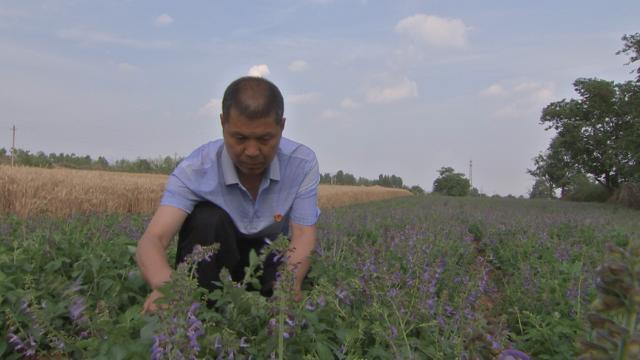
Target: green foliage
[[595, 131], [420, 277], [554, 167], [597, 134], [632, 49], [451, 183], [40, 159], [614, 320], [541, 189], [344, 178], [581, 188], [417, 190]]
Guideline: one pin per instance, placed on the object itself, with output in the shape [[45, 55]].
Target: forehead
[[237, 123]]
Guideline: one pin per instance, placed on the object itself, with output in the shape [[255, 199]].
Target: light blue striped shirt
[[289, 189]]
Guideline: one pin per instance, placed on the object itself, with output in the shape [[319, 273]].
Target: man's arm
[[303, 241], [151, 252]]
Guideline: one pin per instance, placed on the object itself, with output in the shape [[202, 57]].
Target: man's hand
[[303, 241], [150, 306], [150, 254], [297, 295]]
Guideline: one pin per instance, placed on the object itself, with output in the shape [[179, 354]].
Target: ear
[[221, 120], [284, 120]]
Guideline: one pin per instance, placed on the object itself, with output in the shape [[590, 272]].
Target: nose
[[252, 149]]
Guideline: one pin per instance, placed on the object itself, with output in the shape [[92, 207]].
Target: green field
[[425, 277]]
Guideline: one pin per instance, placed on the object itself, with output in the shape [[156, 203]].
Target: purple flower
[[343, 295], [310, 305], [494, 344], [58, 343], [24, 306], [27, 348], [16, 342], [394, 332], [513, 354], [243, 342], [157, 351], [76, 309], [290, 320], [271, 325], [321, 301]]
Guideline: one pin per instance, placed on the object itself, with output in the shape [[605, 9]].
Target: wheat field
[[26, 191]]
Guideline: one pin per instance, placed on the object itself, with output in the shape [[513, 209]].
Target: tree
[[451, 183], [102, 163], [632, 48], [417, 190], [598, 133], [541, 189], [554, 167]]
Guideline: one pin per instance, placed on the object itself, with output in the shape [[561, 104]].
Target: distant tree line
[[160, 165], [165, 165], [390, 181], [596, 150]]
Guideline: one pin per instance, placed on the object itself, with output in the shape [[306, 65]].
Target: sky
[[372, 86]]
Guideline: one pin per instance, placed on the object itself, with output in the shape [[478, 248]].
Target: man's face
[[252, 144]]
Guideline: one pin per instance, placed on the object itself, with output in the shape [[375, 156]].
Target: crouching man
[[251, 185]]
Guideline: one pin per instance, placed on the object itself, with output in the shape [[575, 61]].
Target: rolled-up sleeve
[[177, 194], [304, 210]]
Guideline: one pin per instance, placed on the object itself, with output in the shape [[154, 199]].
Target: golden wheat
[[26, 191]]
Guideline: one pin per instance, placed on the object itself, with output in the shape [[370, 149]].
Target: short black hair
[[254, 98]]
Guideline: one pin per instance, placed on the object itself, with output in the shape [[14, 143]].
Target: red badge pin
[[277, 217]]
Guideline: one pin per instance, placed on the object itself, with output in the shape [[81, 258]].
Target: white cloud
[[526, 86], [98, 37], [509, 112], [298, 66], [525, 99], [330, 114], [303, 98], [163, 20], [494, 90], [403, 90], [543, 95], [348, 103], [211, 108], [126, 67], [261, 70], [434, 30]]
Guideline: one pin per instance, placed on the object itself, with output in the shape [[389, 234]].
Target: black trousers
[[209, 224]]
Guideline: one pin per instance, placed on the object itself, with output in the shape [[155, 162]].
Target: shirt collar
[[274, 169], [230, 174]]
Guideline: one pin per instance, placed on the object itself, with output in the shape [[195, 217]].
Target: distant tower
[[13, 146], [471, 172]]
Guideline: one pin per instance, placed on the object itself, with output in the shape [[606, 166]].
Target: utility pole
[[471, 172], [13, 146]]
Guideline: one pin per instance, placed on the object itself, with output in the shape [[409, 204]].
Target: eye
[[266, 138], [240, 138]]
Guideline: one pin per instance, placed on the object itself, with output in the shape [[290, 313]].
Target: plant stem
[[281, 303]]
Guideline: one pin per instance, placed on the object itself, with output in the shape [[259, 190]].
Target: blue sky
[[402, 87]]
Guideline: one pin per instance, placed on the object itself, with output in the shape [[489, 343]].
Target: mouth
[[252, 167]]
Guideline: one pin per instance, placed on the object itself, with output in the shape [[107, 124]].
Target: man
[[237, 191]]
